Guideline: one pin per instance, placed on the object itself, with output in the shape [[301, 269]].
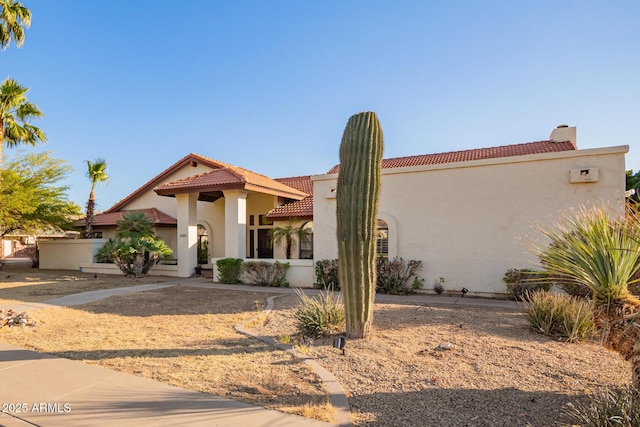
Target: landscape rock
[[11, 318]]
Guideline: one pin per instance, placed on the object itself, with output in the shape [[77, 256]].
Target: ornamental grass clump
[[607, 408], [319, 316], [560, 315]]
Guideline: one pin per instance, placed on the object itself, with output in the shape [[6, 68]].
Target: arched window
[[306, 246], [203, 245], [382, 244]]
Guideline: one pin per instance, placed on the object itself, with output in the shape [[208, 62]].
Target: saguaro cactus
[[358, 194]]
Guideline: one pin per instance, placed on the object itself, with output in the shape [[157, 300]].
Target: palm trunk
[[620, 326], [88, 233], [1, 142]]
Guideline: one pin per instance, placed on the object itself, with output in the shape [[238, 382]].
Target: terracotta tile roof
[[475, 154], [229, 177], [299, 208], [158, 218], [223, 177]]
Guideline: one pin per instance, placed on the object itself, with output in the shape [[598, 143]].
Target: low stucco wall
[[102, 268], [300, 274], [68, 254]]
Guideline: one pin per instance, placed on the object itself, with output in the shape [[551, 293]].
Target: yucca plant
[[600, 248]]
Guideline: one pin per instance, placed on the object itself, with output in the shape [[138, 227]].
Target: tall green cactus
[[358, 195]]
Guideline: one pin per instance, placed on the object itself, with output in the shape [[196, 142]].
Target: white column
[[187, 233], [235, 223]]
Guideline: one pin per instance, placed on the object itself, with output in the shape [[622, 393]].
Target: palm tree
[[288, 233], [601, 250], [15, 113], [137, 247], [14, 17], [97, 172]]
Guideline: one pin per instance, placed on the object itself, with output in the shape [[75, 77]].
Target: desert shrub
[[574, 289], [264, 273], [438, 286], [229, 270], [560, 315], [394, 275], [607, 408], [322, 315], [107, 252], [327, 274], [520, 282]]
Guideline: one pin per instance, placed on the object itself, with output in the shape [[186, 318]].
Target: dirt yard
[[497, 372]]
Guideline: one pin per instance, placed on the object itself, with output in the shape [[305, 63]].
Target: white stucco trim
[[187, 233], [393, 233], [235, 220]]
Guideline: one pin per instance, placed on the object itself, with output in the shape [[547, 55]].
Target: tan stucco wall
[[68, 254], [465, 220], [168, 205]]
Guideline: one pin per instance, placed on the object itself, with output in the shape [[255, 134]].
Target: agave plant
[[600, 248]]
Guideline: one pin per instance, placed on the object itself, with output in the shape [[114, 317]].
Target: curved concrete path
[[43, 390]]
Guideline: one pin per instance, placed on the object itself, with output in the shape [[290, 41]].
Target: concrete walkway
[[42, 390]]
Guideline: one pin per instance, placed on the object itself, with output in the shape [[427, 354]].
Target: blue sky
[[269, 85]]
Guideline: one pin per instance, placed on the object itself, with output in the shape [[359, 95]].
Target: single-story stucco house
[[463, 214]]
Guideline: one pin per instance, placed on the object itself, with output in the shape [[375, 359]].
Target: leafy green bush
[[560, 315], [229, 270], [607, 408], [394, 275], [264, 273], [521, 282], [107, 251], [327, 274], [319, 316]]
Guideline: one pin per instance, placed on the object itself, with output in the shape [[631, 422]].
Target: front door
[[265, 250]]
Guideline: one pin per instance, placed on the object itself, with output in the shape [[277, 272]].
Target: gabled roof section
[[229, 177], [158, 218], [253, 181], [190, 159], [524, 149], [299, 208]]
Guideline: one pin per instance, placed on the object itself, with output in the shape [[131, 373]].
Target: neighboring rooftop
[[300, 209], [158, 218], [524, 149]]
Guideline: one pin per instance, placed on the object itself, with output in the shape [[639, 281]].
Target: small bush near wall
[[394, 275], [520, 282], [327, 274], [229, 270], [264, 273]]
